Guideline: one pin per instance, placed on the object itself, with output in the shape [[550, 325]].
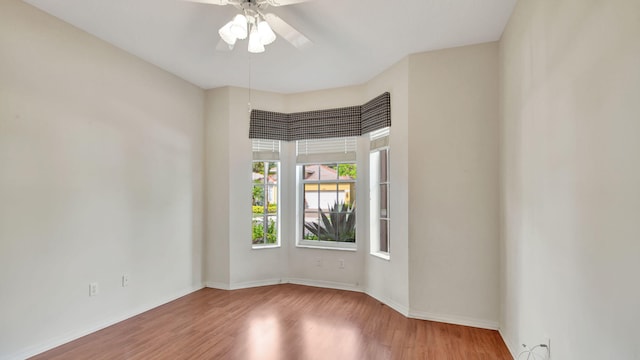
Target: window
[[326, 177], [265, 222], [379, 193]]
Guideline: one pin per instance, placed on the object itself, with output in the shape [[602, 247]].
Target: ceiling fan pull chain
[[249, 103]]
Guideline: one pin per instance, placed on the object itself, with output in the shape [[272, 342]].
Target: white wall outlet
[[93, 289], [319, 262], [341, 263], [125, 280]]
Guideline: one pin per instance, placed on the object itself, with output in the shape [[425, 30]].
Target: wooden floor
[[281, 322]]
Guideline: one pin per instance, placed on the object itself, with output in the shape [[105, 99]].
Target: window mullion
[[265, 218]]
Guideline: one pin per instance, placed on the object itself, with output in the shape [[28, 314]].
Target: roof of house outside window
[[322, 172]]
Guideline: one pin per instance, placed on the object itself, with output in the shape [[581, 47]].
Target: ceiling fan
[[259, 26]]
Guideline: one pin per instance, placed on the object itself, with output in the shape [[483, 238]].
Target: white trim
[[510, 346], [296, 281], [327, 245], [74, 335], [402, 309], [217, 285], [256, 283], [244, 284], [380, 254], [454, 319], [326, 284], [267, 246]]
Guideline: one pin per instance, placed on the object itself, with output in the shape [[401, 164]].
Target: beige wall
[[453, 183], [231, 261], [388, 280], [100, 175], [570, 79], [103, 158], [216, 201]]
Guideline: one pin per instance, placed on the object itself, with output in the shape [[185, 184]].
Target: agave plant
[[338, 225]]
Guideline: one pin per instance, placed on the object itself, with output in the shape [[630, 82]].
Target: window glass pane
[[384, 211], [384, 235], [258, 172], [328, 171], [272, 177], [258, 230], [272, 230], [310, 225], [350, 194], [311, 172], [258, 197], [347, 171], [338, 224], [271, 196], [328, 196], [383, 166], [311, 197]]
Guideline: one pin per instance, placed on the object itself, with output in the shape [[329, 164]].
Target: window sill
[[270, 246], [326, 245], [381, 255]]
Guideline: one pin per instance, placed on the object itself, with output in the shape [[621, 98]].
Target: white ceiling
[[352, 40]]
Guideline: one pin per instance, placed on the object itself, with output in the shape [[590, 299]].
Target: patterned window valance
[[321, 124]]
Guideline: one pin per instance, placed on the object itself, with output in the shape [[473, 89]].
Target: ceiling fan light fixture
[[255, 43], [267, 36], [227, 35], [239, 26]]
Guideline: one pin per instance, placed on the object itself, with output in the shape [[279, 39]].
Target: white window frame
[[328, 154], [268, 151], [379, 142]]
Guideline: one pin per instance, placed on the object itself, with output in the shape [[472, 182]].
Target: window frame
[[268, 152], [379, 144], [300, 183]]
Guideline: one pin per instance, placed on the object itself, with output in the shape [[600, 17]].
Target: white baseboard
[[509, 344], [217, 285], [242, 285], [257, 283], [454, 319], [402, 309], [324, 284], [267, 282], [63, 339]]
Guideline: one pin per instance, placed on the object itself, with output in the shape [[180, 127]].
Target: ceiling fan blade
[[287, 31], [284, 2], [211, 2]]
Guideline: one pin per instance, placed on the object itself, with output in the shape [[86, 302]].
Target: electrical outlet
[[319, 262], [93, 289], [125, 280], [341, 263]]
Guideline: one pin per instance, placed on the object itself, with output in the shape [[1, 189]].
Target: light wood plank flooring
[[281, 322]]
